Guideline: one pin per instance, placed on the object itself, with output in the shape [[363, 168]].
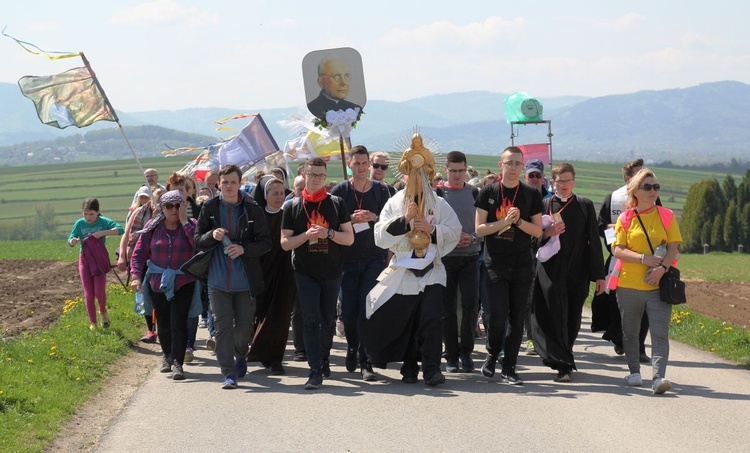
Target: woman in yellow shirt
[[638, 287]]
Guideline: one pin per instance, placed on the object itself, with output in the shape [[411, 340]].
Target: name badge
[[359, 227]]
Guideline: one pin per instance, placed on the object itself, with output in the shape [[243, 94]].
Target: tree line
[[717, 214]]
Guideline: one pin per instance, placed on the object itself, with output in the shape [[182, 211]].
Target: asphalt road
[[708, 409]]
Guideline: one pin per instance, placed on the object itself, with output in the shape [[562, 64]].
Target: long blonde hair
[[635, 182]]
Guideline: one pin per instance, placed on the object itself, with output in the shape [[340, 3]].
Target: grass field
[[65, 186]]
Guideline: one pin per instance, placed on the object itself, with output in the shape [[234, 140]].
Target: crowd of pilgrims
[[511, 253]]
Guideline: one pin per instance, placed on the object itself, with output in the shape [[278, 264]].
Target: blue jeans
[[317, 301], [462, 273], [357, 279]]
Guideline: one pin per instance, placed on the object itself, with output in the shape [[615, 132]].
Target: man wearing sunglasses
[[534, 176], [379, 169], [334, 80], [234, 276]]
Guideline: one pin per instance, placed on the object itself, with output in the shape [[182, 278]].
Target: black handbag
[[671, 288]]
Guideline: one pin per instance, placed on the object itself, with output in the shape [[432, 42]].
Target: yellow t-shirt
[[632, 274]]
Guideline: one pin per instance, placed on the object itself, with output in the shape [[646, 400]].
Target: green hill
[[65, 186]]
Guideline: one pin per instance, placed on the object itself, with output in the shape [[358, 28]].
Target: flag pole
[[117, 120]]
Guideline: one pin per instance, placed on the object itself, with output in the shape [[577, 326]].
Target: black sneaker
[[563, 376], [643, 358], [467, 363], [619, 350], [315, 380], [300, 357], [488, 369], [368, 375], [351, 361], [409, 379], [511, 377], [326, 368], [451, 366], [277, 369], [436, 379]]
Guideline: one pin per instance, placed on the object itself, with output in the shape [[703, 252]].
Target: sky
[[176, 54]]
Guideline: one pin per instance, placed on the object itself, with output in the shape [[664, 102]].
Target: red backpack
[[96, 256]]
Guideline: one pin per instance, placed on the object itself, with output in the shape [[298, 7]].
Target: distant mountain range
[[701, 124]]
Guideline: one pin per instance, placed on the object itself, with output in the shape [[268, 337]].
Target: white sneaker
[[660, 386], [634, 380]]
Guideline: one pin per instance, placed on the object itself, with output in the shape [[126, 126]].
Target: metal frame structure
[[514, 134]]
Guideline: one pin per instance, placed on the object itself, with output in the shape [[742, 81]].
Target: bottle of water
[[661, 252], [140, 305], [227, 242]]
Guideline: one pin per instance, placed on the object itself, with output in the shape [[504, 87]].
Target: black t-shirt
[[322, 260], [512, 248], [373, 200]]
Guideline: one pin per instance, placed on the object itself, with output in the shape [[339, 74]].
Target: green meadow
[[65, 186]]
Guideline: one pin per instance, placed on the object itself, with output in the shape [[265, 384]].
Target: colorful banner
[[249, 146], [535, 151], [71, 98]]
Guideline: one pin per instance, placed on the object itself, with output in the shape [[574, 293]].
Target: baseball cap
[[534, 165]]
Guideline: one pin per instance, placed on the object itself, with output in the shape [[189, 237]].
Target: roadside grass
[[725, 340], [55, 250], [47, 375]]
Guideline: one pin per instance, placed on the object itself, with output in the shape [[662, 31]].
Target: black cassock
[[562, 283]]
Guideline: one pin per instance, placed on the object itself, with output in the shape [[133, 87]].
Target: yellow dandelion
[[78, 379], [52, 354], [44, 340], [717, 331], [728, 328], [678, 321], [53, 348], [713, 349], [1, 393], [31, 362]]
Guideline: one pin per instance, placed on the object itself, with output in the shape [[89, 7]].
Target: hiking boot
[[619, 349], [229, 383], [530, 348], [105, 319], [634, 380], [178, 374], [367, 374], [643, 358], [211, 344], [351, 361], [510, 377], [277, 369], [189, 355], [451, 366], [467, 363], [166, 365], [315, 380], [326, 368], [150, 337], [300, 357], [488, 368], [660, 386], [241, 366], [436, 379]]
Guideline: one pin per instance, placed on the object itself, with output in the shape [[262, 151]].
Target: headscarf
[[173, 196]]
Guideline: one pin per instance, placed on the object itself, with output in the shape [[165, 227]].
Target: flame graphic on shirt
[[503, 208], [317, 219]]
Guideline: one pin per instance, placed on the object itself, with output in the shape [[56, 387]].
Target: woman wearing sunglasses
[[165, 244], [641, 229]]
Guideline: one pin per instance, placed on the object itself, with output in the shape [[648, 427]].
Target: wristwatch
[[330, 233], [664, 267]]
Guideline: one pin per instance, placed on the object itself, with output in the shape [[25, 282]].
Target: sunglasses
[[380, 166], [648, 187], [534, 175], [172, 206]]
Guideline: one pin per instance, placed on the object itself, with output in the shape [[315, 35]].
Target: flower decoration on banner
[[342, 120]]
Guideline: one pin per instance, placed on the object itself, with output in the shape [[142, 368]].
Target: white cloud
[[473, 33], [628, 21], [163, 12]]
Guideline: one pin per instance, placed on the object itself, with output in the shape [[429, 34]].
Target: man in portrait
[[334, 80]]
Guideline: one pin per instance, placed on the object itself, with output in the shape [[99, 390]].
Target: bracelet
[[664, 267], [520, 220], [642, 256]]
